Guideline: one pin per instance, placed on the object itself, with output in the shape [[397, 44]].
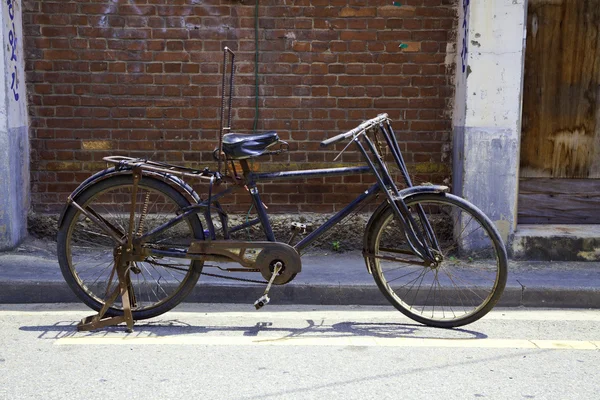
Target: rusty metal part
[[286, 263], [106, 226], [155, 166], [143, 216], [127, 298], [259, 255], [264, 299], [137, 175]]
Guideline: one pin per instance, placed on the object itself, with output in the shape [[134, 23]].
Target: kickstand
[[124, 289]]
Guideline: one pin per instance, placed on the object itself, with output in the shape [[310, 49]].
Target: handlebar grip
[[332, 140]]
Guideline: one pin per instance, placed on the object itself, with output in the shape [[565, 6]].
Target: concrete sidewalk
[[30, 274]]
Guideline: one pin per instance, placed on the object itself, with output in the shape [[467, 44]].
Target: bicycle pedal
[[261, 302], [303, 229]]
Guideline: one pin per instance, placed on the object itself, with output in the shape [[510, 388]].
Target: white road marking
[[335, 341], [290, 315]]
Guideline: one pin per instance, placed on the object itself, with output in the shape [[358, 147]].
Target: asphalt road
[[298, 352]]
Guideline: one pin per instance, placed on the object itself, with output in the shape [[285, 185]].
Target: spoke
[[410, 273], [168, 270], [468, 288], [158, 282], [110, 214], [442, 297], [427, 298], [433, 283], [418, 289], [483, 271], [158, 286], [92, 243], [466, 225], [100, 275], [88, 268], [397, 268], [459, 293], [174, 267], [422, 274], [150, 286], [455, 245], [98, 234]]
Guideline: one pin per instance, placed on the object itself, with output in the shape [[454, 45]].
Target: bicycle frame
[[251, 180], [418, 237]]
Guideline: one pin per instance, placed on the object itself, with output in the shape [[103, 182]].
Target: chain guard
[[269, 253]]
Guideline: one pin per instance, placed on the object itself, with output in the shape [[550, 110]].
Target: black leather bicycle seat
[[240, 145]]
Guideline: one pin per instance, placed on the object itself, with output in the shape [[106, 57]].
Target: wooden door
[[560, 143]]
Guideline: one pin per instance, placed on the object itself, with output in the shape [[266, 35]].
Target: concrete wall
[[487, 113], [14, 139]]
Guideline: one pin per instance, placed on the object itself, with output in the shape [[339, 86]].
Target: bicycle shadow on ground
[[264, 329]]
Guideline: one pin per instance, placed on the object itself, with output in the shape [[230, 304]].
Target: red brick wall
[[141, 78]]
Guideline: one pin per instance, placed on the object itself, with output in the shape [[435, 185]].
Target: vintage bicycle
[[134, 239]]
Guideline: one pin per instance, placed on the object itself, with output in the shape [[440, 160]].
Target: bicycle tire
[[469, 280], [164, 283]]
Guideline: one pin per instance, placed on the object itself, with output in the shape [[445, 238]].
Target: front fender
[[405, 195], [172, 180]]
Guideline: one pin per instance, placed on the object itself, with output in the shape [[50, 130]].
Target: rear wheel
[[86, 252], [467, 281]]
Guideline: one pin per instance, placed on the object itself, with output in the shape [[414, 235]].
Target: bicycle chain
[[208, 274], [232, 278]]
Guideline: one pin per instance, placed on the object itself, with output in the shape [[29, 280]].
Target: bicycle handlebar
[[365, 125]]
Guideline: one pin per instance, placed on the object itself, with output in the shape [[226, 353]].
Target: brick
[[393, 11], [358, 12], [137, 10], [96, 145], [354, 103], [439, 35], [358, 35], [60, 55]]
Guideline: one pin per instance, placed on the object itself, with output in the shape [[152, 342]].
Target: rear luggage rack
[[156, 166]]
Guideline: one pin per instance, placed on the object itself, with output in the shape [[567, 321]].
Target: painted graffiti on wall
[[12, 49], [464, 52]]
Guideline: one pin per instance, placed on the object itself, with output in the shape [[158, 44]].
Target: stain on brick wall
[[142, 78]]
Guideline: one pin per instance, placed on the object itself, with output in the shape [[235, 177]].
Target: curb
[[27, 292]]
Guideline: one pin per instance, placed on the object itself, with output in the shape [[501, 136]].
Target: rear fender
[[174, 181]]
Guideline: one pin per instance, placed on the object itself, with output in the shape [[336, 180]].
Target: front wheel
[[463, 285]]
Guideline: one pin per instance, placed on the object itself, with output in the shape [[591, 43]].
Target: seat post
[[258, 204]]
